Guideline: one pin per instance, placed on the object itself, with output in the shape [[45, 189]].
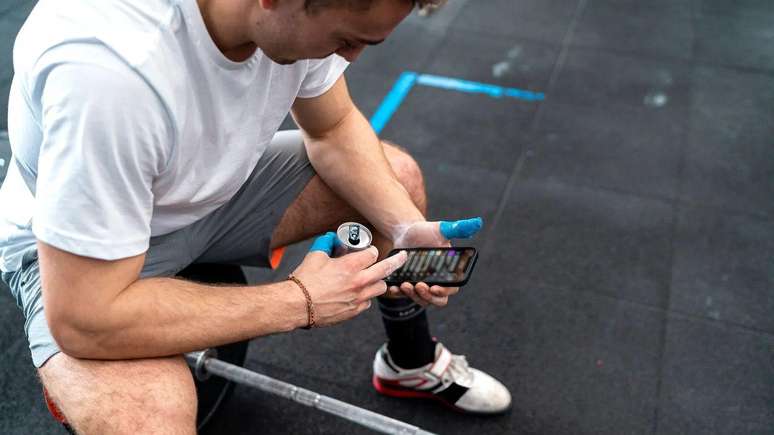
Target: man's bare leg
[[410, 345], [318, 209], [147, 396]]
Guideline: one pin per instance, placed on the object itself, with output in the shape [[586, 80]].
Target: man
[[144, 140]]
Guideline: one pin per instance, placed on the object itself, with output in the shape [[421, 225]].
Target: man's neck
[[226, 22]]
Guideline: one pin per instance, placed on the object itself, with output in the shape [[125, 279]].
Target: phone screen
[[441, 266]]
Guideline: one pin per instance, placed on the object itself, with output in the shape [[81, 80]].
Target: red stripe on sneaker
[[388, 388]]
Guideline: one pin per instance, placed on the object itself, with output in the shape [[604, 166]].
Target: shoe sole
[[402, 393], [381, 388]]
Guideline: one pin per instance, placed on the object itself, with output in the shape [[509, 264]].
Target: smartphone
[[447, 267]]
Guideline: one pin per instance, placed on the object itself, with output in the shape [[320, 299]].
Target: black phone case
[[443, 284]]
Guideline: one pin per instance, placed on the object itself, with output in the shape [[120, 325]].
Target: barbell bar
[[205, 363]]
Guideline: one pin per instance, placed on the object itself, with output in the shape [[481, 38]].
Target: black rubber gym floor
[[626, 278]]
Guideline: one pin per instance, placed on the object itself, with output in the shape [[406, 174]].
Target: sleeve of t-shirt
[[322, 75], [106, 136]]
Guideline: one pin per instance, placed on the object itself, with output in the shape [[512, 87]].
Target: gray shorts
[[239, 232]]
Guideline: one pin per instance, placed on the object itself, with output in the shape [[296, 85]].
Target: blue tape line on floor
[[477, 88], [393, 100], [408, 79]]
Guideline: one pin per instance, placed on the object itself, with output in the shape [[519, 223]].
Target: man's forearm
[[165, 316], [350, 160]]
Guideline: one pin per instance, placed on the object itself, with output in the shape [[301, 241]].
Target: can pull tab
[[354, 235]]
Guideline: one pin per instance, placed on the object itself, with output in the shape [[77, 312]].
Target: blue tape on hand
[[324, 243], [461, 229]]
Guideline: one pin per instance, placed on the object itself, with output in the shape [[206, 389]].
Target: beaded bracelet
[[309, 305]]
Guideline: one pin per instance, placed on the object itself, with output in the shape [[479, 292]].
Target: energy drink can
[[351, 237]]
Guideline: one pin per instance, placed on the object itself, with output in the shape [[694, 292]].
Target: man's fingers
[[384, 268], [324, 243], [361, 259], [461, 229], [437, 290], [316, 258], [363, 306], [408, 290], [376, 289], [424, 295], [423, 290]]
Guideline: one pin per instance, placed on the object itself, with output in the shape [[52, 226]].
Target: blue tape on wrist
[[324, 243], [461, 229]]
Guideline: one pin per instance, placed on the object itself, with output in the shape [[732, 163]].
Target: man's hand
[[342, 288], [430, 235]]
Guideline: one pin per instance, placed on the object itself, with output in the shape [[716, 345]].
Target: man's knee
[[142, 396], [408, 172]]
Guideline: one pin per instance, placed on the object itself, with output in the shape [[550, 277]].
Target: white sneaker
[[448, 379]]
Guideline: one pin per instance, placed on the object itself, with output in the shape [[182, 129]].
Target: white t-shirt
[[127, 122]]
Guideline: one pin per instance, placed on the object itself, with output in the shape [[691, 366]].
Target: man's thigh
[[138, 396], [134, 396]]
